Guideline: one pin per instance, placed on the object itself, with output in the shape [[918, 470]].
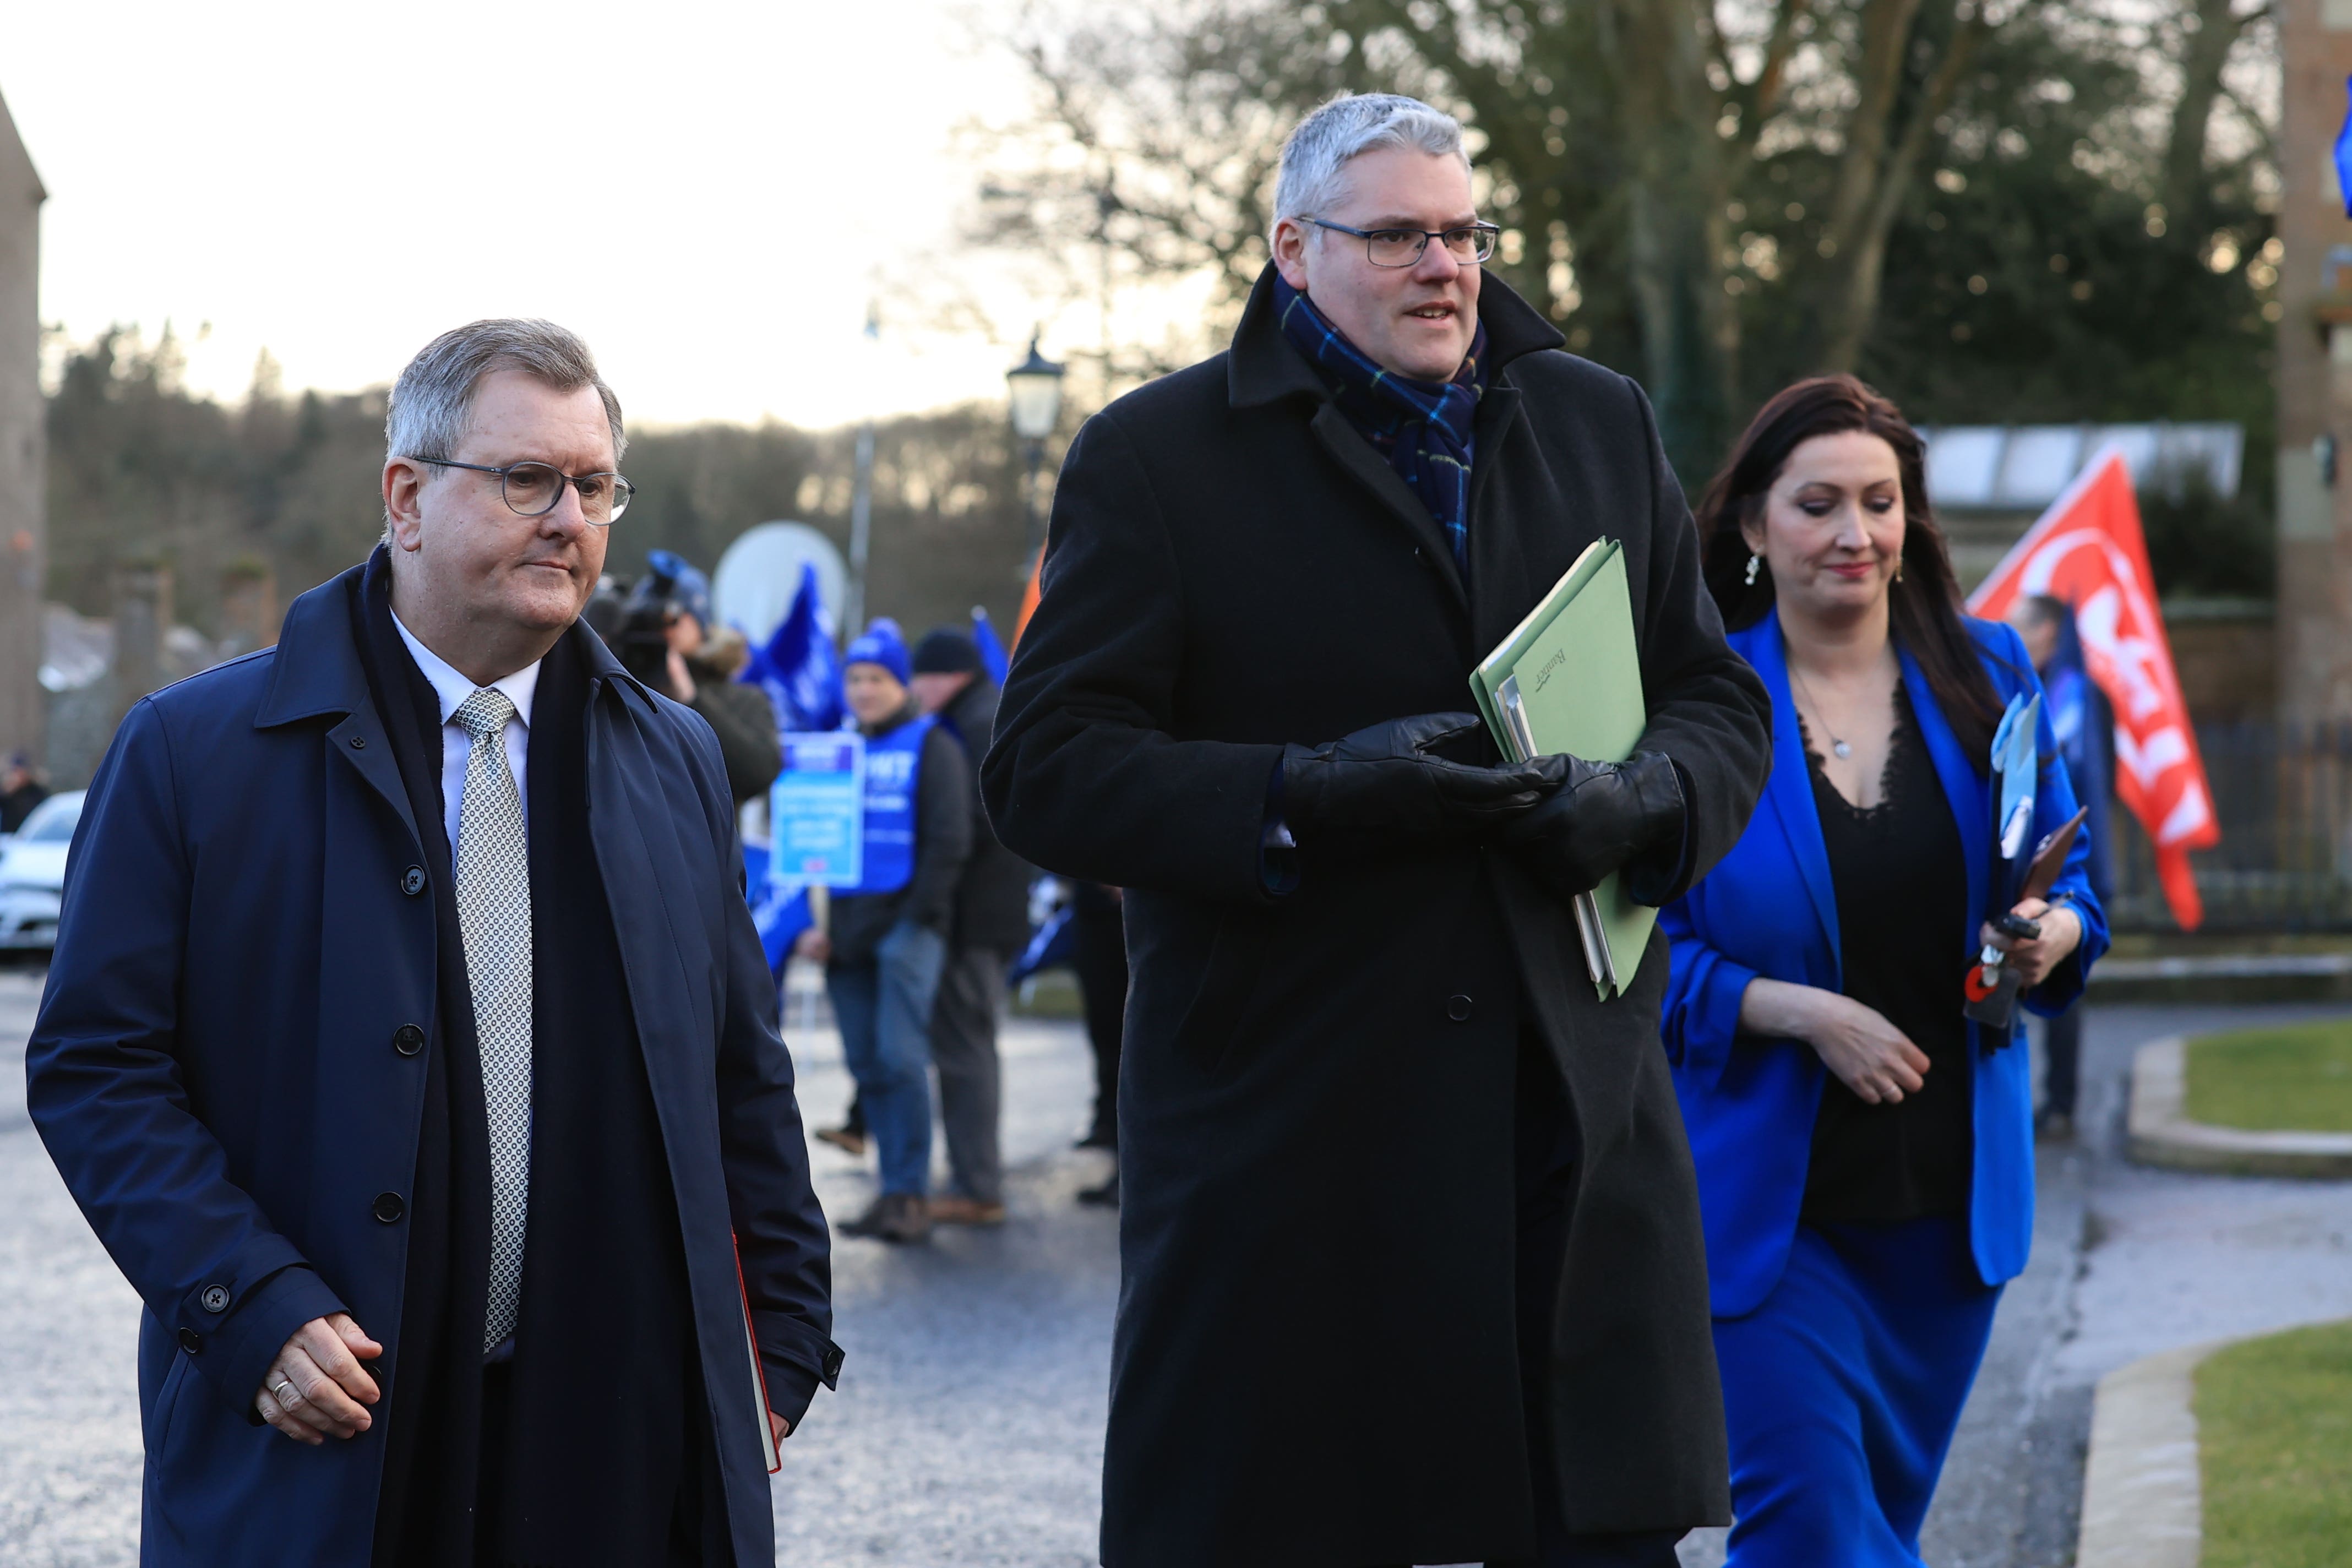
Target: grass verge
[[2295, 1078], [2275, 1446]]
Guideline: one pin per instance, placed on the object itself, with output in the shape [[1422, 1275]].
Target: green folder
[[1569, 680]]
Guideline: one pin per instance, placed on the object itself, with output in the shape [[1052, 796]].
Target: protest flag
[[2089, 552], [2344, 157], [797, 665]]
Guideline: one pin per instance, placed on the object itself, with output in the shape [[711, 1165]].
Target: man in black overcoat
[[1413, 1269]]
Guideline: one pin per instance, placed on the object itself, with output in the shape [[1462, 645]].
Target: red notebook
[[768, 1450]]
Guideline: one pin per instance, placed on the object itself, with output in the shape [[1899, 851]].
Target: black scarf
[[605, 1456]]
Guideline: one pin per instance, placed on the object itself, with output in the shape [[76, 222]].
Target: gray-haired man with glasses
[[410, 1047], [1411, 1265]]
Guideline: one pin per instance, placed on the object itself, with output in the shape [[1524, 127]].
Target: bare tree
[[1148, 166], [1672, 175], [2211, 30], [1883, 141]]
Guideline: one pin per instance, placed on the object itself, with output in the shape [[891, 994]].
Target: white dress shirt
[[456, 745]]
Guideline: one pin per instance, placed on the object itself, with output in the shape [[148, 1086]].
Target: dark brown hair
[[1924, 609]]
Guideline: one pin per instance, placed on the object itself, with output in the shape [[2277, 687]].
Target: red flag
[[2088, 551]]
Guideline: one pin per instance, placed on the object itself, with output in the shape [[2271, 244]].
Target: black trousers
[[689, 1547], [1101, 961], [2063, 1042]]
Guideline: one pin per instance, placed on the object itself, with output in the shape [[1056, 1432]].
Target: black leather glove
[[1600, 817], [1384, 785]]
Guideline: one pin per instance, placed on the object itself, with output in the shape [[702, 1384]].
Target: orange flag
[[2089, 552], [1028, 599]]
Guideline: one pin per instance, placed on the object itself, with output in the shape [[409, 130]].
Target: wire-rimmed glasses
[[1470, 245], [534, 489]]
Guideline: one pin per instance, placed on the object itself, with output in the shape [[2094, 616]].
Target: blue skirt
[[1844, 1388]]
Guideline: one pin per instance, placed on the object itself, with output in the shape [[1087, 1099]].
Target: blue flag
[[2344, 157], [798, 667], [782, 916], [1054, 946], [779, 910], [992, 652]]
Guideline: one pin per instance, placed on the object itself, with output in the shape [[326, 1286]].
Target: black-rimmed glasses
[[534, 489], [1469, 245]]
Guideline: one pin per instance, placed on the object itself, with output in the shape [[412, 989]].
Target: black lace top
[[1902, 891]]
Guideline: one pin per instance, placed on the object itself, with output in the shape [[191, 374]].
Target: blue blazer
[[217, 1070], [1768, 908]]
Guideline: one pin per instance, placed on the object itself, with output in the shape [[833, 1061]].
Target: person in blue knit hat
[[886, 939]]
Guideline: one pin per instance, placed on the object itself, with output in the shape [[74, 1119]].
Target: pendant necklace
[[1841, 748]]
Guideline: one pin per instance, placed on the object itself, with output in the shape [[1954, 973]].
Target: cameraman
[[664, 640]]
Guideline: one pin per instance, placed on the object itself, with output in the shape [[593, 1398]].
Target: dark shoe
[[895, 1217], [1103, 1198], [2055, 1127], [849, 1140], [955, 1209]]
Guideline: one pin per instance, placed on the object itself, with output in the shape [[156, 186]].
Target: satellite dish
[[760, 571]]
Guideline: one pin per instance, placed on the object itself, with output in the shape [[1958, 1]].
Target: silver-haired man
[[1413, 1267], [410, 1047]]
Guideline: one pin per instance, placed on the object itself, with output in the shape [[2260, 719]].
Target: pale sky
[[703, 190]]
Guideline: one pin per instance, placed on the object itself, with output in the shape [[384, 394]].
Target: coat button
[[192, 1341], [215, 1298], [388, 1208], [412, 881], [358, 742], [408, 1039], [1458, 1008]]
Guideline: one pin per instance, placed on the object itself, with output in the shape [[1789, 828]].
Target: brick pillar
[[248, 608], [2315, 369], [24, 448], [142, 613]]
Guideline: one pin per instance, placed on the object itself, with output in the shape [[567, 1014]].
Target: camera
[[635, 619]]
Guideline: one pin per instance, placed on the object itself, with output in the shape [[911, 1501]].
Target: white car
[[33, 872]]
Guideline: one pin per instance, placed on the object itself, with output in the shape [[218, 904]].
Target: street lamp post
[[1035, 388], [861, 496]]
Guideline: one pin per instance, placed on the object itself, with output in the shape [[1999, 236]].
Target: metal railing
[[2282, 794]]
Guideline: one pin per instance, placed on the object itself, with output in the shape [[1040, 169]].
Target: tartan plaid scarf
[[1422, 427]]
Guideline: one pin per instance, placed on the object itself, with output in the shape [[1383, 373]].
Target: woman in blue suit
[[1865, 1152]]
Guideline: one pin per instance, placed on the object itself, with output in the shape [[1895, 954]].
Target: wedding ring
[[285, 1394]]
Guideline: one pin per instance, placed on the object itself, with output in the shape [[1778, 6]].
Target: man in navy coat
[[409, 1046]]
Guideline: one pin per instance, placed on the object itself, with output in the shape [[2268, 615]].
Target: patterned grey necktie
[[494, 917]]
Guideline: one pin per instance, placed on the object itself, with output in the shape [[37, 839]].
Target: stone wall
[[2226, 652]]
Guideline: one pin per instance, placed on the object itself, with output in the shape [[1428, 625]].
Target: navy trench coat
[[225, 1070]]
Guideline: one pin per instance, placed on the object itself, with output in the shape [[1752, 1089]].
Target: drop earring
[[1756, 564], [1898, 569]]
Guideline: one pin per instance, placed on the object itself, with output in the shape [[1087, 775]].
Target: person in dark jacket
[[1100, 931], [2086, 731], [886, 941], [1412, 1261], [700, 671], [418, 1291], [991, 926], [20, 791]]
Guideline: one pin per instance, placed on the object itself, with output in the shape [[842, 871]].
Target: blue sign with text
[[816, 811]]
